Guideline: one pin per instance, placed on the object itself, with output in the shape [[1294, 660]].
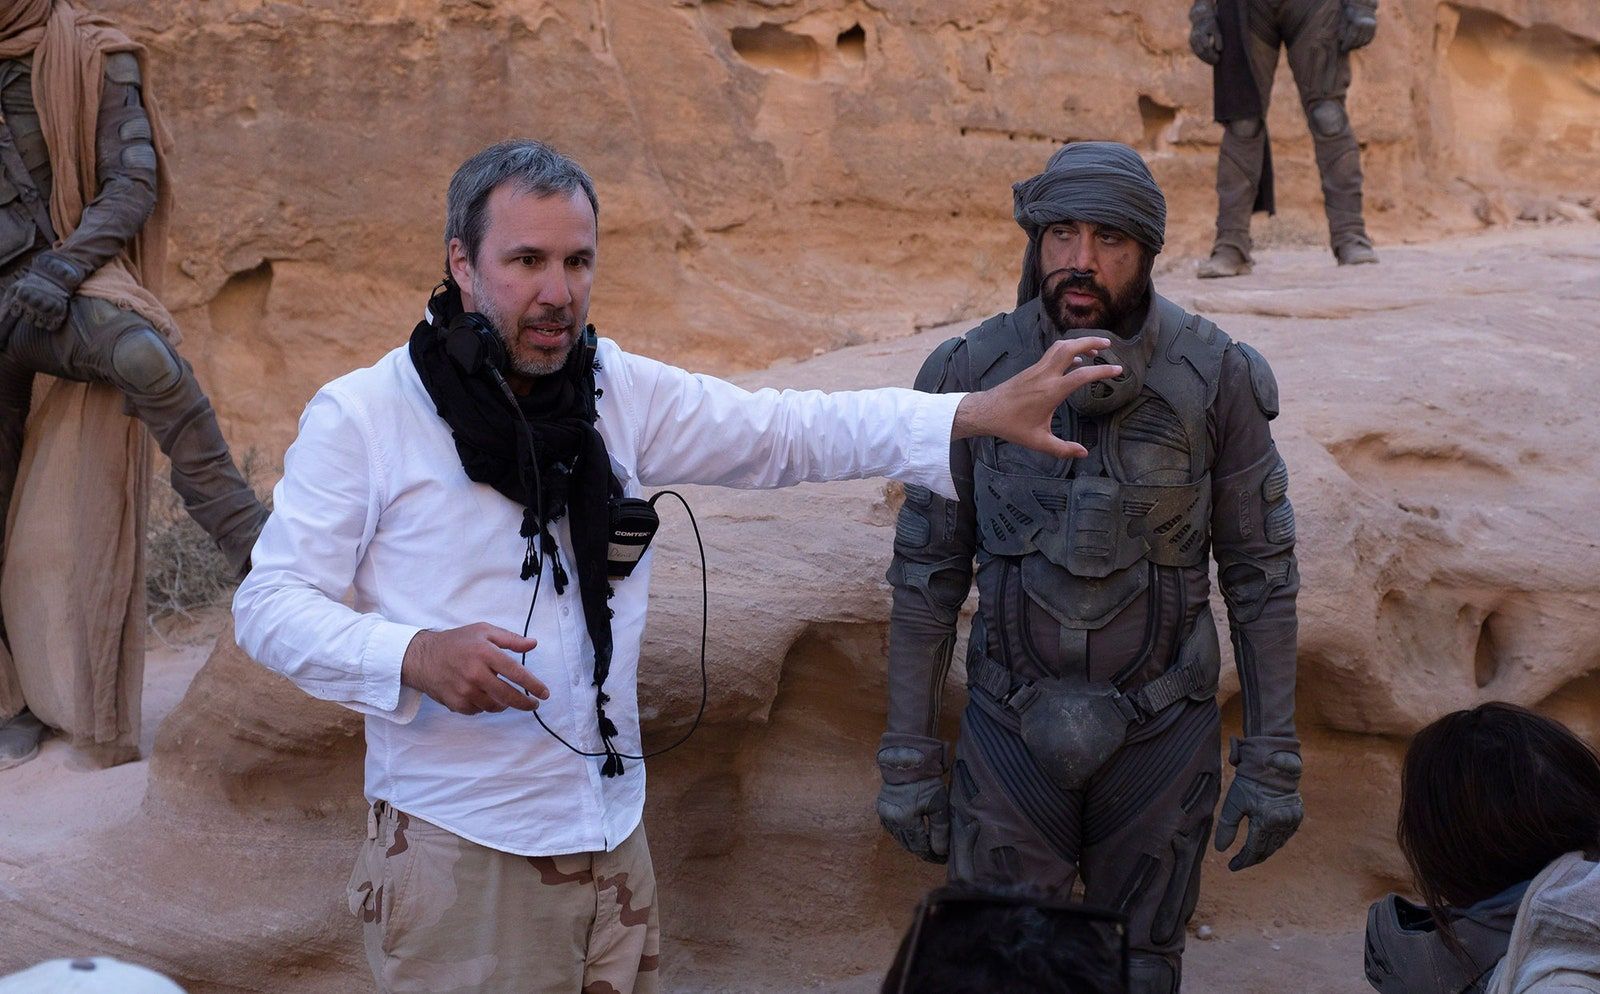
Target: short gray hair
[[535, 167]]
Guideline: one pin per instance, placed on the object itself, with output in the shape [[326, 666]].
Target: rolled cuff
[[382, 694], [928, 454]]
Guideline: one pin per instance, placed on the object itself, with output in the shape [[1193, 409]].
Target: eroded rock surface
[[777, 176]]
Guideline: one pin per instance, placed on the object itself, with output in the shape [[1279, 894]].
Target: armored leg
[[1322, 75], [1244, 144], [102, 343], [1010, 824], [1147, 818], [162, 391]]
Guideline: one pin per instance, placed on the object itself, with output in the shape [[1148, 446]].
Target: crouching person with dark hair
[[1014, 940], [1500, 823]]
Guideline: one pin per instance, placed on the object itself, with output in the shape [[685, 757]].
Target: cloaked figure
[[84, 206]]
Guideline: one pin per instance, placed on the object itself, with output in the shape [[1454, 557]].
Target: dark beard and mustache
[[1112, 311]]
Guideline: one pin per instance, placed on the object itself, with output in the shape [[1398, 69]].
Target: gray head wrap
[[1102, 182]]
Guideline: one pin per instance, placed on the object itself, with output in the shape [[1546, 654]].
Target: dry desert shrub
[[183, 570]]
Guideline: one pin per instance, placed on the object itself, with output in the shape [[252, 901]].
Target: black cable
[[705, 681], [537, 561]]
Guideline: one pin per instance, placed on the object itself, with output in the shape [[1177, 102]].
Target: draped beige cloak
[[72, 584]]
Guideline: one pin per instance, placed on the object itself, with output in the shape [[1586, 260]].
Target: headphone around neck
[[473, 344]]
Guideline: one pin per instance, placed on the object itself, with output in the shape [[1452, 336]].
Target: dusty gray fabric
[[1102, 182]]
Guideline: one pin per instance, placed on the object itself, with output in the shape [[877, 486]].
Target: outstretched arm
[[1252, 531], [699, 429]]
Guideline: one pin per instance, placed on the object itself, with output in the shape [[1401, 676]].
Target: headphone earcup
[[473, 345]]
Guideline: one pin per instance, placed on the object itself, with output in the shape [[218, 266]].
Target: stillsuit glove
[[1205, 35], [41, 296], [1266, 790], [1359, 26], [914, 803]]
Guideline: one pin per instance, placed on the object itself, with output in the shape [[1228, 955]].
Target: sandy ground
[[61, 794]]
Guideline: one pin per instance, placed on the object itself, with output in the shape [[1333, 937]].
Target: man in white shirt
[[420, 513]]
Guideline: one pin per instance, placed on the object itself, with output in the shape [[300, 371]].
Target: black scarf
[[568, 460]]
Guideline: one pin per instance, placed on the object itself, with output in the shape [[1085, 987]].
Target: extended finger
[[508, 639], [1057, 447], [519, 675], [1254, 849], [1059, 356], [1063, 386], [506, 695], [1087, 374], [483, 698], [1227, 829]]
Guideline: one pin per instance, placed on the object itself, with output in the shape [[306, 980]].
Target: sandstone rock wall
[[777, 176]]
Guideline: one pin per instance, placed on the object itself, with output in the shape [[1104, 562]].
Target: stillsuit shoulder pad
[[935, 371], [1262, 383]]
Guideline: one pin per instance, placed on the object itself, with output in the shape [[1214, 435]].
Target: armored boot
[[1355, 253], [19, 739], [1225, 261]]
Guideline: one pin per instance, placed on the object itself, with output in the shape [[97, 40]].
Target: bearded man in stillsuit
[[1088, 747], [1241, 38], [83, 236]]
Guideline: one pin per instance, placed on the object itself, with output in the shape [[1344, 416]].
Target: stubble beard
[[525, 361]]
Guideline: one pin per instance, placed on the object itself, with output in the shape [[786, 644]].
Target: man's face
[[1094, 275], [533, 274]]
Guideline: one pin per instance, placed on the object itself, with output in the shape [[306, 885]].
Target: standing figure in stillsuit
[[83, 214], [1241, 38], [1088, 748]]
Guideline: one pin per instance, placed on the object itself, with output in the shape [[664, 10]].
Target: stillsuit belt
[[1149, 700]]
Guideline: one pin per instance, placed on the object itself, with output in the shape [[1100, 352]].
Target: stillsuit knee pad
[[143, 363], [1328, 118], [1245, 127]]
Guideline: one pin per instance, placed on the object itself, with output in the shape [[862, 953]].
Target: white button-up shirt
[[376, 533]]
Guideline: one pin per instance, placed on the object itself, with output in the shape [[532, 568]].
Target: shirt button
[[566, 612]]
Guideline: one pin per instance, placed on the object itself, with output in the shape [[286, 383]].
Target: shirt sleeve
[[693, 428], [289, 613]]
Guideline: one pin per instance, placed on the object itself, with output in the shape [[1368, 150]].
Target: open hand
[[466, 670], [1020, 409]]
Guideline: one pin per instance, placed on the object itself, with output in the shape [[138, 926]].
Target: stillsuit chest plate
[[19, 231], [1144, 491]]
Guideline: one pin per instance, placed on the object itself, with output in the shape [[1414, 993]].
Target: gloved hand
[[41, 296], [1265, 789], [1205, 36], [914, 803], [1359, 27]]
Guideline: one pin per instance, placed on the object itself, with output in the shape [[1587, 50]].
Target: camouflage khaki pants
[[441, 914]]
